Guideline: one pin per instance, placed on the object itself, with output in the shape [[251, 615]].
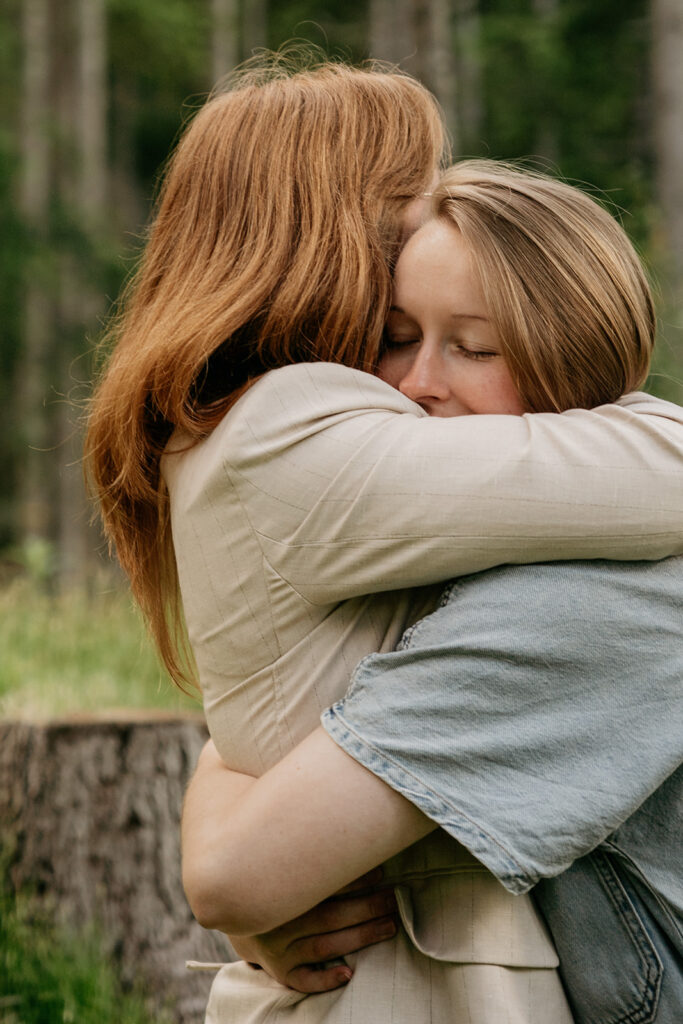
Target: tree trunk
[[547, 142], [224, 37], [91, 126], [469, 78], [68, 181], [254, 25], [392, 31], [380, 28], [667, 121], [418, 35], [32, 374], [667, 31], [82, 184], [90, 811], [438, 64]]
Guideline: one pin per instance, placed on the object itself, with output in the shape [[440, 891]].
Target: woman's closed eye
[[399, 341], [474, 353]]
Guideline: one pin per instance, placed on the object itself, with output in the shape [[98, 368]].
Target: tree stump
[[90, 812]]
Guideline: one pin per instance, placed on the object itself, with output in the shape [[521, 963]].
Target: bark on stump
[[90, 811]]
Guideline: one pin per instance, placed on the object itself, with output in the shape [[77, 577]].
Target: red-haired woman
[[307, 511]]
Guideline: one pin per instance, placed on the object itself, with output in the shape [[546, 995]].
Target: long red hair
[[276, 229]]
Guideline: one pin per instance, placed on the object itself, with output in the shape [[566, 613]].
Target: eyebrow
[[454, 316]]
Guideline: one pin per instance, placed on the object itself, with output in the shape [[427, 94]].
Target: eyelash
[[468, 353], [395, 343], [473, 354]]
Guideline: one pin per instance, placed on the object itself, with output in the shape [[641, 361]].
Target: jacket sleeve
[[352, 489]]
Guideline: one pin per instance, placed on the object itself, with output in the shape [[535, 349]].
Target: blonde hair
[[564, 286], [277, 227]]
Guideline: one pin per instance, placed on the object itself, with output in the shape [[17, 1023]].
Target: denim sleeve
[[532, 713]]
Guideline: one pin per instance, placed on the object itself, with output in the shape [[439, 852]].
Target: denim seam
[[449, 591], [621, 902], [616, 851], [481, 843]]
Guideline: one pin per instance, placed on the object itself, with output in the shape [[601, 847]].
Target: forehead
[[436, 265], [436, 241]]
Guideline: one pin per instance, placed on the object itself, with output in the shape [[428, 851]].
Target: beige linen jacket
[[316, 522]]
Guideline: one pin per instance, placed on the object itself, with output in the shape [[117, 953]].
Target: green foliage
[[158, 66], [65, 654], [666, 378], [52, 976], [339, 28], [569, 86]]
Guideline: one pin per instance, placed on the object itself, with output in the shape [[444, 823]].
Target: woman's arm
[[258, 853], [351, 489]]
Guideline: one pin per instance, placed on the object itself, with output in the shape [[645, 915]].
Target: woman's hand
[[297, 954]]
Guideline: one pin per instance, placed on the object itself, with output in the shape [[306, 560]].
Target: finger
[[366, 881], [334, 915], [310, 979], [319, 948]]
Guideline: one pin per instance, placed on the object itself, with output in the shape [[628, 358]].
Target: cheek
[[503, 396]]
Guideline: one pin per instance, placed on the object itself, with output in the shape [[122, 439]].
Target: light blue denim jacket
[[537, 716]]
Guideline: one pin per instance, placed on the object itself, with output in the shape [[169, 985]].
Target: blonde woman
[[503, 716], [307, 503]]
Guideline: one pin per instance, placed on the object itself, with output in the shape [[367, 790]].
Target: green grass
[[60, 656], [69, 654], [52, 976]]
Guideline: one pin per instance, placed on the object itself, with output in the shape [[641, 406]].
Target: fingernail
[[344, 975], [387, 929]]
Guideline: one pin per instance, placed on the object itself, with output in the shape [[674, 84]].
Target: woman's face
[[441, 349]]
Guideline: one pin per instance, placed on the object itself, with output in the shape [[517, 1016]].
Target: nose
[[425, 381]]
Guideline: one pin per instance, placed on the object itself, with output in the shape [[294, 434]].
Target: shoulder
[[306, 389], [569, 583], [323, 406], [312, 414], [649, 405], [570, 607]]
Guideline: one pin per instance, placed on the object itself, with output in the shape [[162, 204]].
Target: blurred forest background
[[93, 93]]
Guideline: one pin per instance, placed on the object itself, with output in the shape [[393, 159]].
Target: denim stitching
[[645, 1013], [489, 850], [617, 852], [450, 591]]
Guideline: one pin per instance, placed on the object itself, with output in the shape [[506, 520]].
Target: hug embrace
[[371, 430]]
